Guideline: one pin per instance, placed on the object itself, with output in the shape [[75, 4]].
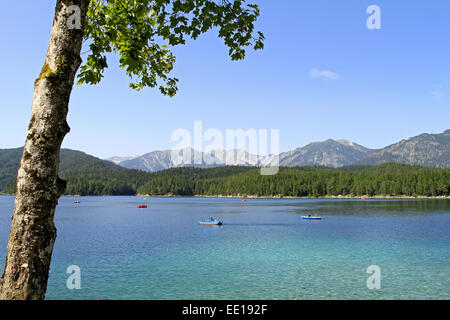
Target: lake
[[263, 251]]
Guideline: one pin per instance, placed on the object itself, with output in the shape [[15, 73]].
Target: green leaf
[[143, 32]]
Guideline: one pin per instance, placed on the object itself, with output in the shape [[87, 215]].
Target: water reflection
[[374, 208]]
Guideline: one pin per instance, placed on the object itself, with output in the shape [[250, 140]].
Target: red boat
[[142, 206], [76, 201]]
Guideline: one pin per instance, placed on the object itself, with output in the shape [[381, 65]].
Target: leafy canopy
[[142, 32]]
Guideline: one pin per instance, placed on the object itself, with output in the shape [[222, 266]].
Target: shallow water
[[263, 250]]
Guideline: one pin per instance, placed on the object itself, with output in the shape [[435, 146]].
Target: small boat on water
[[310, 217], [76, 201], [211, 222], [142, 206]]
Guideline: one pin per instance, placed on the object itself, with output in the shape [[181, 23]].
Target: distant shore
[[266, 197], [290, 197]]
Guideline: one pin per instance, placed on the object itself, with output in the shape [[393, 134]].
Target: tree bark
[[38, 189]]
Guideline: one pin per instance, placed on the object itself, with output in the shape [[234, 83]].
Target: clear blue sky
[[373, 87]]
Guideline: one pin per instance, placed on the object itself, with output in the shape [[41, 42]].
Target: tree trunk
[[33, 232]]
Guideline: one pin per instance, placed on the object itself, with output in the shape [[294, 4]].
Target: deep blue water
[[263, 250]]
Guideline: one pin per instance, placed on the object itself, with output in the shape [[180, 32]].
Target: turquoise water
[[263, 250]]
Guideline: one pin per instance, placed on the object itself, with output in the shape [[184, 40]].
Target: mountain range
[[432, 150], [429, 150]]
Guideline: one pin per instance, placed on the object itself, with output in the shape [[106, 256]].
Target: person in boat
[[309, 216]]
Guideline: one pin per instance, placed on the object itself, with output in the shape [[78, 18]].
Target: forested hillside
[[9, 163], [386, 179], [85, 174]]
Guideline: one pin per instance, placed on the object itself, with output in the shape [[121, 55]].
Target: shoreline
[[291, 197], [379, 197]]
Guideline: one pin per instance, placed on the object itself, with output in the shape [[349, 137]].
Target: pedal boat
[[311, 218], [211, 222]]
